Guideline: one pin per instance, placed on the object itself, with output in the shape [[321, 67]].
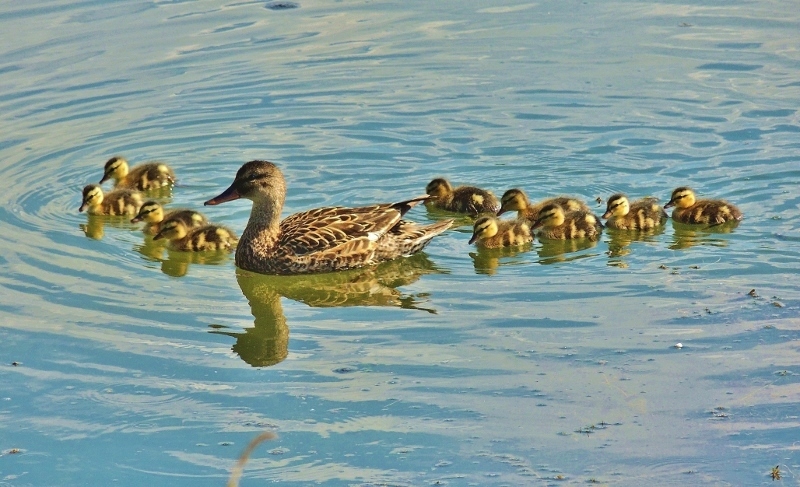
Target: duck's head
[[116, 168], [513, 200], [151, 212], [549, 216], [682, 197], [172, 229], [92, 196], [484, 227], [439, 187], [618, 206], [256, 181]]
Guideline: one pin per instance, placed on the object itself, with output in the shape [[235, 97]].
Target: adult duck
[[319, 240]]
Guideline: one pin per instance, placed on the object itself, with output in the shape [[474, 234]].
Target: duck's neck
[[261, 233]]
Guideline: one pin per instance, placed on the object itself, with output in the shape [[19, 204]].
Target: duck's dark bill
[[473, 239], [229, 194]]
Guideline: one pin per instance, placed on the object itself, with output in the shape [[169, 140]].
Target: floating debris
[[684, 24], [662, 266], [15, 363], [776, 472], [281, 5], [753, 293], [777, 304], [599, 200], [236, 473], [678, 345]]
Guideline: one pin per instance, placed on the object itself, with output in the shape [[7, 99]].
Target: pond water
[[123, 363]]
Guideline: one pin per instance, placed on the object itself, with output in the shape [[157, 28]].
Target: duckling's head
[[439, 187], [549, 216], [116, 168], [682, 197], [484, 227], [257, 181], [92, 196], [618, 206], [151, 212], [513, 200], [172, 229]]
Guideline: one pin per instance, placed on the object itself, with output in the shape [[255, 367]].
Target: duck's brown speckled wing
[[337, 230]]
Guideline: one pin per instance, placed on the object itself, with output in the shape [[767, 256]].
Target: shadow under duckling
[[153, 214], [553, 223], [201, 239], [463, 199], [688, 209], [643, 214], [516, 199], [490, 232], [144, 177], [116, 203]]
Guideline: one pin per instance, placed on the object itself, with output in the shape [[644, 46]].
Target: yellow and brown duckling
[[463, 199], [491, 233], [554, 223], [116, 203], [153, 214], [319, 240], [144, 177], [688, 209], [643, 214], [516, 199], [200, 239]]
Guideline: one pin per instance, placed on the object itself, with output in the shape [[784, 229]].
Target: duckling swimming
[[147, 176], [516, 199], [153, 213], [557, 225], [463, 199], [201, 239], [115, 203], [688, 209], [490, 232], [322, 239], [643, 214]]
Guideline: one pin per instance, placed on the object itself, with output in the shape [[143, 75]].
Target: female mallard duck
[[463, 199], [643, 214], [491, 233], [153, 213], [115, 203], [320, 240], [151, 175], [691, 210], [557, 225], [516, 199], [201, 239]]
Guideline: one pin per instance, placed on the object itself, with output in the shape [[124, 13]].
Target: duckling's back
[[148, 176], [644, 214], [207, 238], [120, 202], [531, 213], [510, 233], [577, 224], [709, 212]]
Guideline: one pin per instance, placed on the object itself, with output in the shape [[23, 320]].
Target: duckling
[[153, 213], [516, 199], [147, 176], [323, 239], [463, 199], [643, 214], [688, 209], [557, 225], [115, 203], [207, 237], [490, 232]]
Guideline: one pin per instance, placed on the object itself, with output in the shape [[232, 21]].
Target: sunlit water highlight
[[553, 364]]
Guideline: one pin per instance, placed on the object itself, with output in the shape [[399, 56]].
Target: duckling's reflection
[[620, 240], [487, 261], [267, 342], [176, 264], [94, 227], [438, 214], [554, 251], [685, 235]]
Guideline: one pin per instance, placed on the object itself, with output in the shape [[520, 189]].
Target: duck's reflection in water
[[267, 343], [619, 242], [686, 235], [554, 251], [487, 261]]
